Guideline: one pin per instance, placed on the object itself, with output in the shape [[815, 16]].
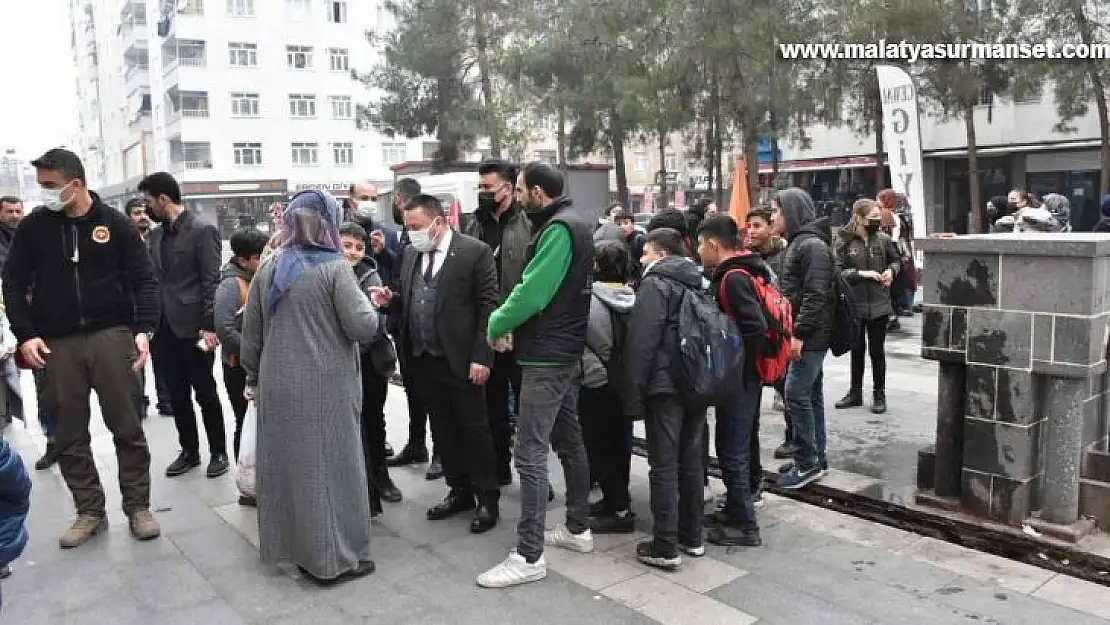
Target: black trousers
[[161, 387], [872, 340], [374, 389], [605, 431], [460, 426], [188, 370], [674, 439], [418, 411], [235, 381], [504, 377], [780, 388]]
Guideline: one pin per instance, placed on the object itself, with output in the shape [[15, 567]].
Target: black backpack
[[709, 357], [846, 325]]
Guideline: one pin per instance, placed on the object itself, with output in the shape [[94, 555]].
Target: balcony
[[183, 63], [190, 156], [133, 37], [139, 110], [185, 110], [135, 77]]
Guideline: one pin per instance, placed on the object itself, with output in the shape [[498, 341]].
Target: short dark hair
[[161, 183], [10, 199], [623, 216], [504, 170], [407, 188], [62, 161], [132, 203], [353, 230], [669, 218], [544, 176], [428, 203], [247, 242], [614, 263], [759, 213], [723, 230], [666, 240]]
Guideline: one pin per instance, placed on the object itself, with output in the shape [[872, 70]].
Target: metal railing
[[195, 113], [202, 164]]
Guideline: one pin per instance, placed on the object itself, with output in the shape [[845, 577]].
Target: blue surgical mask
[[366, 209], [52, 198], [421, 240]]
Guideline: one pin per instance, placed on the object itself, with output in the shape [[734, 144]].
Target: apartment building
[[244, 101]]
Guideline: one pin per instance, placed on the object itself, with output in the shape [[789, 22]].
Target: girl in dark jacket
[[868, 259]]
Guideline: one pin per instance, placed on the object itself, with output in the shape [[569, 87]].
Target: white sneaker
[[560, 536], [778, 405], [513, 571]]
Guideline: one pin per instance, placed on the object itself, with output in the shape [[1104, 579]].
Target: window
[[545, 156], [339, 59], [306, 154], [341, 107], [247, 153], [428, 149], [344, 153], [302, 105], [393, 153], [337, 11], [297, 9], [298, 57], [240, 8], [640, 162], [243, 54], [670, 163], [244, 105]]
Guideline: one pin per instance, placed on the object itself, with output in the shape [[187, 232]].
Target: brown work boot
[[84, 527], [143, 526]]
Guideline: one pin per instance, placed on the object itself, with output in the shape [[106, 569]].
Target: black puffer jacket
[[652, 335], [879, 254], [807, 269]]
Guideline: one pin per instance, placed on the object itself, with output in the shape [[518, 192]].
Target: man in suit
[[187, 255], [443, 296], [136, 209]]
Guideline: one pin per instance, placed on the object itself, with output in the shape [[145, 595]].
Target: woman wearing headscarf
[[304, 319]]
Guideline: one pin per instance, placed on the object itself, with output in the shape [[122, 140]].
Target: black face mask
[[487, 201], [154, 216], [873, 225]]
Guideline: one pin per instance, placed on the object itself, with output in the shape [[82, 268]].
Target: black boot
[[487, 512], [854, 399], [411, 454], [878, 403], [49, 457]]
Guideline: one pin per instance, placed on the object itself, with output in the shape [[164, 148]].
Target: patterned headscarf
[[309, 237]]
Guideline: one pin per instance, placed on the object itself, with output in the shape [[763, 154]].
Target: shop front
[[1075, 174], [229, 203]]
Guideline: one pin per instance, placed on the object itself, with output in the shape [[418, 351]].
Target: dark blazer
[[467, 295], [189, 278]]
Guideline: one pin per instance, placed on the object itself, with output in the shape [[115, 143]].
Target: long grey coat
[[313, 505]]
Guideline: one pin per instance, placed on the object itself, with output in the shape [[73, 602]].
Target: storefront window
[[1081, 189]]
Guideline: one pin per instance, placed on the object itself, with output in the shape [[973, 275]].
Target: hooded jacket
[[225, 311], [652, 331], [15, 504], [807, 274], [879, 254], [607, 300], [774, 257], [742, 303]]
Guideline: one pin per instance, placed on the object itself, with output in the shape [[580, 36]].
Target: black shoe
[[893, 325], [435, 470], [5, 572], [504, 475], [878, 403], [364, 569], [248, 501], [550, 494], [165, 410], [854, 399], [217, 466], [653, 555], [622, 522], [49, 457], [390, 493], [728, 536], [185, 462], [388, 450], [787, 467], [599, 508], [715, 518], [785, 450], [451, 505], [486, 514], [409, 455]]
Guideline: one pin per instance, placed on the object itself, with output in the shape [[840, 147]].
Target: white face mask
[[421, 240], [366, 208], [52, 198]]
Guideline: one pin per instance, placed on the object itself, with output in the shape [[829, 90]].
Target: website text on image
[[909, 52]]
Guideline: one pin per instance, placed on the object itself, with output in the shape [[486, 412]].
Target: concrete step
[[1094, 501], [1096, 463]]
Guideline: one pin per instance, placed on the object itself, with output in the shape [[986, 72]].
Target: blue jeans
[[908, 298], [805, 400], [735, 425]]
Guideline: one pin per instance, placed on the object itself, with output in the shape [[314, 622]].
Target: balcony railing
[[201, 164], [135, 69], [186, 61], [194, 113]]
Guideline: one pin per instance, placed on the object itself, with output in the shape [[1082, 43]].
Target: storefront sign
[[902, 139], [238, 187], [329, 187]]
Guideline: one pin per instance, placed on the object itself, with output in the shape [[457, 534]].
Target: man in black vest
[[446, 290], [502, 224], [545, 319]]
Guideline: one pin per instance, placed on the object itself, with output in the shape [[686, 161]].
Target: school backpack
[[709, 358], [774, 356], [846, 325]]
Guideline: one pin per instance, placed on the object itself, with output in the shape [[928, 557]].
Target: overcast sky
[[38, 108]]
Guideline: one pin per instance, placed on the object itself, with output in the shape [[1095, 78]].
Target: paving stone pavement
[[817, 566]]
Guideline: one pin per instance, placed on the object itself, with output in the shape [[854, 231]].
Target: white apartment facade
[[244, 101]]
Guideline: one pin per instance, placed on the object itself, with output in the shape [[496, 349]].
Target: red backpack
[[774, 357]]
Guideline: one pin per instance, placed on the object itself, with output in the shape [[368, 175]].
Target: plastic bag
[[248, 444]]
